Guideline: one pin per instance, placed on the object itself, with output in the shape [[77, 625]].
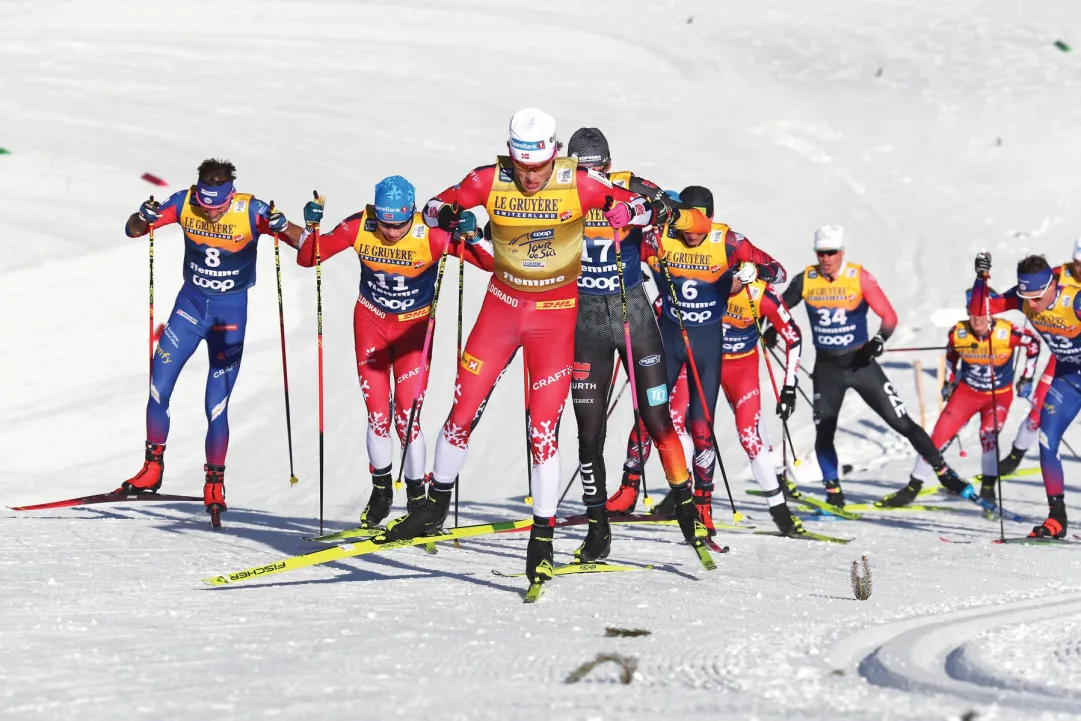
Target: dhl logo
[[556, 304], [413, 315]]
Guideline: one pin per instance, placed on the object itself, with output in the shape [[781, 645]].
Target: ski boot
[[598, 542], [1010, 463], [903, 497], [787, 524], [703, 503], [954, 483], [539, 558], [214, 493], [686, 513], [834, 495], [1055, 525], [987, 492], [425, 519], [788, 486], [415, 494], [148, 479], [625, 499], [381, 500], [667, 506]]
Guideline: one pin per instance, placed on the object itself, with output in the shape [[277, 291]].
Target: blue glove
[[313, 213], [1024, 388], [467, 229], [150, 211], [276, 219]]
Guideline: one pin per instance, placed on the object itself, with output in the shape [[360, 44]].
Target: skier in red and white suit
[[537, 204]]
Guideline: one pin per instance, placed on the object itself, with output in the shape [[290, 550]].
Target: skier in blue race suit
[[221, 228]]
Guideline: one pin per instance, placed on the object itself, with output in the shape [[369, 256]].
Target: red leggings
[[964, 403], [385, 343], [542, 324]]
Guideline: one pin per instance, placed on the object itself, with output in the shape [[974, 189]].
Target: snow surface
[[928, 129]]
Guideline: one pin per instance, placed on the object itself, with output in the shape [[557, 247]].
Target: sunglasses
[[393, 226], [532, 167], [826, 253]]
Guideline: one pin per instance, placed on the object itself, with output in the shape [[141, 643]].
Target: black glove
[[947, 390], [871, 349], [663, 213], [983, 264], [769, 336], [449, 217], [787, 404]]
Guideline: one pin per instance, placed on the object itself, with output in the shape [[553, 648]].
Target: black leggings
[[833, 375], [707, 346], [598, 335]]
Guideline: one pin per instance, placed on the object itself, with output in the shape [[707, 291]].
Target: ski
[[707, 561], [1026, 541], [535, 591], [806, 536], [715, 547], [112, 497], [348, 550], [992, 507], [644, 518], [573, 568], [874, 507], [816, 504], [359, 532], [978, 478]]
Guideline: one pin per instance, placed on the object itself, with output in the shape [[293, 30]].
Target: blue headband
[[214, 196], [1032, 285]]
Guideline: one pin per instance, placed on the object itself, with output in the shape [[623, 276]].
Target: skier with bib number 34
[[221, 228], [838, 296]]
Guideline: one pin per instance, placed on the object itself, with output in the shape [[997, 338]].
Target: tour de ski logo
[[535, 245]]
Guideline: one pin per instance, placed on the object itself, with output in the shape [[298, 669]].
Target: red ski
[[112, 497]]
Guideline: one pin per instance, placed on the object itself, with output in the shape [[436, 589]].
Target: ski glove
[[450, 215], [276, 220], [313, 214], [747, 273], [947, 390], [467, 229], [787, 403], [150, 211], [1024, 388], [663, 213], [983, 264], [618, 215], [769, 336], [871, 349]]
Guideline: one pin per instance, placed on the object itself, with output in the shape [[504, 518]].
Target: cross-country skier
[[221, 228], [537, 203], [399, 260], [740, 383], [1068, 274], [599, 335], [977, 354], [838, 296], [705, 269], [1054, 309]]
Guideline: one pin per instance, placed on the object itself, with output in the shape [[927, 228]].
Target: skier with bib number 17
[[221, 228]]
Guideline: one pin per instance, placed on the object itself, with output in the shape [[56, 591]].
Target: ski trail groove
[[930, 655]]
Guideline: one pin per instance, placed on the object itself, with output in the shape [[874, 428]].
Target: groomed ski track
[[929, 130]]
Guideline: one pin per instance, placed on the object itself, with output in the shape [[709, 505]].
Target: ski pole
[[611, 408], [647, 502], [994, 398], [772, 379], [293, 480], [319, 357], [798, 388], [528, 440], [425, 351], [736, 515], [150, 337], [461, 299]]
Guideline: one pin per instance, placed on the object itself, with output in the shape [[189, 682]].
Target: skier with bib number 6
[[221, 229]]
